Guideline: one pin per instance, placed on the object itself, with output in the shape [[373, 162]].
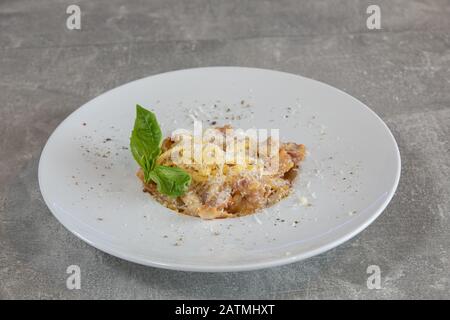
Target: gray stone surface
[[401, 72]]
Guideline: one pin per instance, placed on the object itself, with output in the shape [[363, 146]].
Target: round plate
[[87, 174]]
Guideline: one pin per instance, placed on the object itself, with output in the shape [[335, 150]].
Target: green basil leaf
[[146, 139], [145, 145], [171, 181]]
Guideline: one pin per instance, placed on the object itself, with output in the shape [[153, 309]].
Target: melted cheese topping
[[223, 185]]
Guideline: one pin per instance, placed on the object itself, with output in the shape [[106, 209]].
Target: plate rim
[[272, 262]]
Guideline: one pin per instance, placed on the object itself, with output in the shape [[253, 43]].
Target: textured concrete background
[[401, 72]]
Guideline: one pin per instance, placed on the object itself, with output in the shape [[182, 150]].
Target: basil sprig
[[145, 145]]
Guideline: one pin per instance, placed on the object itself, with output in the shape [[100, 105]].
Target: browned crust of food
[[242, 197]]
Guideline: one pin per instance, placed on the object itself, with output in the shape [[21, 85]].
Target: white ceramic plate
[[87, 174]]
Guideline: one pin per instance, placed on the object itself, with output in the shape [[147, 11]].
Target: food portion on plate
[[220, 172]]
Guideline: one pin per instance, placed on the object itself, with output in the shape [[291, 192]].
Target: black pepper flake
[[214, 123]]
